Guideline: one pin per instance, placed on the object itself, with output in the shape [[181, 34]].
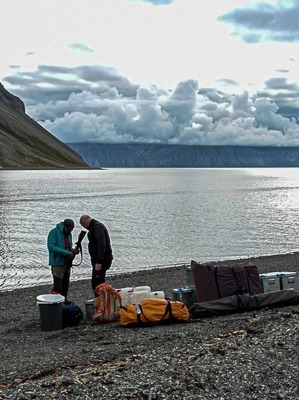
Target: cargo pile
[[210, 289]]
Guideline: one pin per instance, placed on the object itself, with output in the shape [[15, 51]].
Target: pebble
[[241, 356]]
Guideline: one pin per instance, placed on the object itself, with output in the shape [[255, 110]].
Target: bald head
[[85, 221]]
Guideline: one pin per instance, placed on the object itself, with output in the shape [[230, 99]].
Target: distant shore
[[45, 168], [250, 355]]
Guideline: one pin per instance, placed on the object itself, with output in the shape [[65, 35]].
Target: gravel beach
[[251, 355]]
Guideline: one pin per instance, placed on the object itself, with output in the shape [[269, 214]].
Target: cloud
[[98, 104], [276, 23], [49, 83], [157, 2], [80, 47], [228, 82], [283, 71], [279, 90], [14, 66], [181, 103]]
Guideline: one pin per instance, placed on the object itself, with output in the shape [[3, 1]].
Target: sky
[[194, 72]]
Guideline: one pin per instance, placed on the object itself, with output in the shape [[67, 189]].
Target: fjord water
[[156, 217]]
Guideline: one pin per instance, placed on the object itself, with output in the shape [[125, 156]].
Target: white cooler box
[[273, 281]]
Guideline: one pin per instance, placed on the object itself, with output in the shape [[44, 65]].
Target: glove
[[70, 257]]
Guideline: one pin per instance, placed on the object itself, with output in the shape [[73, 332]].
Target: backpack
[[106, 304], [153, 311], [71, 314]]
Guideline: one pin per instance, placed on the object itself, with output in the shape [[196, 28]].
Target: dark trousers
[[99, 277], [61, 284]]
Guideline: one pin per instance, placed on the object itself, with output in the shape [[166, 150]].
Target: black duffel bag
[[72, 314]]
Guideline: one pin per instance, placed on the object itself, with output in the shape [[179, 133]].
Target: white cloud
[[157, 2], [263, 21], [163, 71], [183, 116]]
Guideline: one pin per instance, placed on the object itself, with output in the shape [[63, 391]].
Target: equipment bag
[[152, 312], [71, 314], [217, 281], [106, 303]]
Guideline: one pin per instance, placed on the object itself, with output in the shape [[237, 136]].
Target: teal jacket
[[57, 251]]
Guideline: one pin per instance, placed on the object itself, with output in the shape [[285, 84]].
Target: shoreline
[[276, 262], [250, 355]]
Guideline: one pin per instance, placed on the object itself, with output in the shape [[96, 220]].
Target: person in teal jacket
[[61, 255]]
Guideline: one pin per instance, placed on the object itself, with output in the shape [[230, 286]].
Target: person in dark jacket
[[99, 248], [61, 255]]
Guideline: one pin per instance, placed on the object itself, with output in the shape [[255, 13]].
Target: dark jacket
[[99, 245]]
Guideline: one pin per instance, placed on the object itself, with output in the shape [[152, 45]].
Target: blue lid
[[184, 290]]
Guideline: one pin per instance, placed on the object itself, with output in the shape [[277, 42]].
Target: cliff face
[[155, 155], [25, 144], [10, 100]]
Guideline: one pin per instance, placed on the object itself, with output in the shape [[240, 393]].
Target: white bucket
[[51, 311], [50, 299]]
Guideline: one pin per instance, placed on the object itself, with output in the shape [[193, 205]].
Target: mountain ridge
[[26, 144], [136, 155]]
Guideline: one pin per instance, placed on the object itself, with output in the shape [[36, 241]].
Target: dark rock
[[10, 100]]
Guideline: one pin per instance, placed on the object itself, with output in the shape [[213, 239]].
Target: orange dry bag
[[106, 303], [153, 311]]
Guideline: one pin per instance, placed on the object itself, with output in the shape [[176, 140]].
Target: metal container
[[270, 282], [89, 308], [273, 281], [289, 280], [186, 295], [189, 277]]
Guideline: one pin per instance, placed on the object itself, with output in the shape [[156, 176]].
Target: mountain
[[182, 156], [26, 144]]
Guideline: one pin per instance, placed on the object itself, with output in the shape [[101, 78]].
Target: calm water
[[156, 217]]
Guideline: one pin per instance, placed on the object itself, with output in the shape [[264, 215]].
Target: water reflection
[[155, 217], [7, 274]]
